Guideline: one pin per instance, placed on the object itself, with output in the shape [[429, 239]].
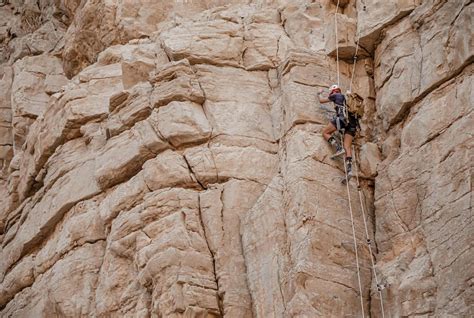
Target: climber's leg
[[328, 131], [348, 138], [327, 134], [349, 135], [348, 144]]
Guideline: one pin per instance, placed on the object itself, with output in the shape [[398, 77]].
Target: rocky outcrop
[[166, 160], [423, 185]]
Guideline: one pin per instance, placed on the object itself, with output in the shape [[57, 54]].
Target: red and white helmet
[[334, 88]]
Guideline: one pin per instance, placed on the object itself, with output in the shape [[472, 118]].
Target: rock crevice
[[166, 160]]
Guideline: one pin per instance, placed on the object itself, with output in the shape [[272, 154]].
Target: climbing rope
[[359, 189], [355, 59], [369, 241], [337, 51], [353, 234], [346, 176], [337, 44]]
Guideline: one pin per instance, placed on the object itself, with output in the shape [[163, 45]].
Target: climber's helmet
[[335, 89]]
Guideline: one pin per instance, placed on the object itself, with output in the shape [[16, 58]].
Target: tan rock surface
[[225, 109], [375, 15], [180, 170], [409, 63], [183, 123], [35, 79], [346, 37], [6, 135], [217, 42], [426, 195]]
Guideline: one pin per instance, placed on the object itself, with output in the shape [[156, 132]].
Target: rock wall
[[423, 190], [166, 159]]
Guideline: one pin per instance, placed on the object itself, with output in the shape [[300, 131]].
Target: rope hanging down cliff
[[380, 287], [359, 189], [337, 51], [346, 176], [337, 44], [354, 237], [355, 59]]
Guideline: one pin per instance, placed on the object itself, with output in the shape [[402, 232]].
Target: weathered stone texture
[[426, 196], [6, 131], [35, 79], [165, 159], [423, 191], [409, 62], [375, 15]]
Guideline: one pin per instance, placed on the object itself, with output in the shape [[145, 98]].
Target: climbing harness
[[338, 122], [380, 285]]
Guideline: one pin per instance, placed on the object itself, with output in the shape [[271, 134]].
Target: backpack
[[355, 104]]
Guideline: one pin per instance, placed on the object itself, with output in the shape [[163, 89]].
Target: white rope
[[347, 179], [355, 59], [337, 44], [369, 241], [354, 235]]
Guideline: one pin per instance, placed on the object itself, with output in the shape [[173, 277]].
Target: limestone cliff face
[[165, 159]]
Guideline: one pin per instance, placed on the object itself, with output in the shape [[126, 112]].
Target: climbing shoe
[[349, 173], [333, 141], [349, 176], [349, 167], [339, 151], [348, 170]]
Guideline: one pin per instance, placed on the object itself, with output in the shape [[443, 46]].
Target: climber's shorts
[[350, 129]]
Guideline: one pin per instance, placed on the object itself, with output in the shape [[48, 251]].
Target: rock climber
[[339, 122]]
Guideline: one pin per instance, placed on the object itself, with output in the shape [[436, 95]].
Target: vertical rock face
[[166, 159], [423, 192]]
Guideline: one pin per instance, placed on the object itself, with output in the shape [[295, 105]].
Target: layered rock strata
[[167, 160]]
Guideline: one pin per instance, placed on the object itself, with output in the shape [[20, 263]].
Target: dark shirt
[[338, 99]]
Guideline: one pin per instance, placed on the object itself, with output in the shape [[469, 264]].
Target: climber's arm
[[322, 99]]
